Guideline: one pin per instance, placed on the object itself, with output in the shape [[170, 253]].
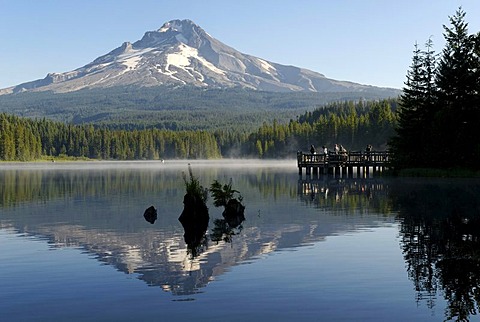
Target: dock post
[[337, 171], [299, 162]]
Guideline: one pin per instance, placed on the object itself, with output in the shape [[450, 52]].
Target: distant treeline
[[24, 139], [353, 124]]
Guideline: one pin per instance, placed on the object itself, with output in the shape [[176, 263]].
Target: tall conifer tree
[[413, 132], [457, 82]]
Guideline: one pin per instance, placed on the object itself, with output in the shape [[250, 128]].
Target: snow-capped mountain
[[182, 53]]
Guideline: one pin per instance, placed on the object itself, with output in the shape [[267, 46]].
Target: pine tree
[[412, 143], [457, 80]]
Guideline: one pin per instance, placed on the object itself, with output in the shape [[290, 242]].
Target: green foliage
[[23, 139], [223, 194], [18, 139], [458, 82], [193, 186], [352, 124], [412, 143]]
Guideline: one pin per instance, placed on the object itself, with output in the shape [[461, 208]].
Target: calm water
[[74, 246]]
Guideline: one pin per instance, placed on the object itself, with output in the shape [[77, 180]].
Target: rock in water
[[150, 214]]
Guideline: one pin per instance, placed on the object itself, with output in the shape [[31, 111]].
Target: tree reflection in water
[[233, 213], [228, 227], [439, 231], [440, 236], [195, 216], [194, 219]]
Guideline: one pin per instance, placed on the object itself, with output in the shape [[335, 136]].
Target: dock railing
[[344, 162]]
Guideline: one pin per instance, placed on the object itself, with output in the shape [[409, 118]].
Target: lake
[[75, 246]]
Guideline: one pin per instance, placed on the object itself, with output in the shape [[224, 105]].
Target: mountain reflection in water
[[102, 212]]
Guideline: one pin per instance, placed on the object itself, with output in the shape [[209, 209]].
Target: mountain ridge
[[182, 53]]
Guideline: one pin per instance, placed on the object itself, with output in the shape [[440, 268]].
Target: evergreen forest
[[175, 108], [353, 124]]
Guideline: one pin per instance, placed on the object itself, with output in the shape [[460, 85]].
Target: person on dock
[[368, 149], [336, 148], [342, 154], [312, 149]]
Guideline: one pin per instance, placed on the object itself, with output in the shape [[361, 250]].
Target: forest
[[174, 108], [433, 123], [352, 124]]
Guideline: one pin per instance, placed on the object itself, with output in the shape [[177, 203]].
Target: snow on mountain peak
[[166, 27], [177, 25], [184, 31], [181, 52]]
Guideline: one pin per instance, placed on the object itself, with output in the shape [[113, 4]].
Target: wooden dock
[[346, 164]]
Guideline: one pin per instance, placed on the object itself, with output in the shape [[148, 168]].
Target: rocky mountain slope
[[182, 53]]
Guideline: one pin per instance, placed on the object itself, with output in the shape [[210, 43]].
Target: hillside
[[172, 108]]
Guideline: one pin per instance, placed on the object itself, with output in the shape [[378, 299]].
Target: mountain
[[181, 53]]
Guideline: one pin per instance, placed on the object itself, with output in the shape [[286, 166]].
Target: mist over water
[[166, 164]]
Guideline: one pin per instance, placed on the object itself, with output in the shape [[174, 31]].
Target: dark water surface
[[74, 245]]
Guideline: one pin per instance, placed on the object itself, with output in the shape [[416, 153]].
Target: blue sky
[[364, 41]]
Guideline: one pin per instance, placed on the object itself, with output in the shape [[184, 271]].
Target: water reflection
[[440, 230], [225, 229], [194, 219], [350, 193], [233, 212], [195, 216], [101, 212]]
